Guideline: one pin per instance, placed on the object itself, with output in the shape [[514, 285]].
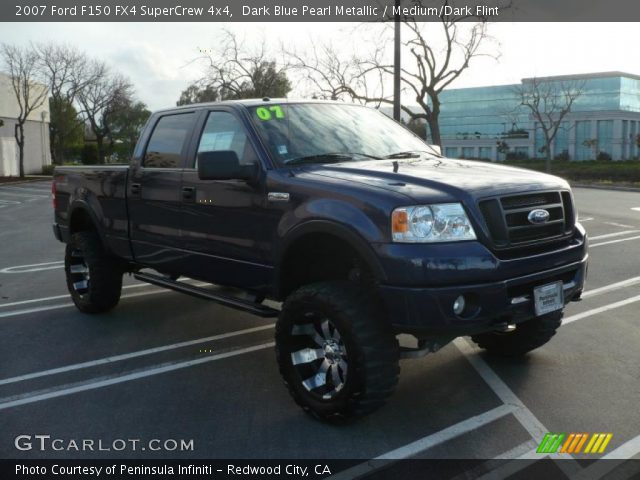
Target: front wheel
[[94, 279], [527, 336], [337, 354]]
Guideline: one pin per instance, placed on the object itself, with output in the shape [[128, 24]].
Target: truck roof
[[252, 102]]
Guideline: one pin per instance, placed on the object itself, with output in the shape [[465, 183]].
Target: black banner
[[317, 10], [318, 469]]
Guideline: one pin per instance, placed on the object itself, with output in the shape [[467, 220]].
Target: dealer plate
[[548, 298]]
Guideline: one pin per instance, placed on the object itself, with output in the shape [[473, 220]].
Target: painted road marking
[[36, 267], [64, 305], [588, 219], [615, 234], [26, 194], [140, 353], [58, 297], [105, 382], [525, 416], [449, 433], [425, 443], [44, 190], [619, 224], [605, 308], [609, 242], [10, 202], [637, 209], [614, 286]]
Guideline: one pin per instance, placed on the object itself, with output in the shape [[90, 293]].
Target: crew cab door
[[153, 192], [225, 227]]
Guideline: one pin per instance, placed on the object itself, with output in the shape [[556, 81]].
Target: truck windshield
[[298, 133]]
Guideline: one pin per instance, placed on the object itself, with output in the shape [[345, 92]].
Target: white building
[[36, 149]]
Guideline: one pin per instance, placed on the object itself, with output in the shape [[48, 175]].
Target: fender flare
[[350, 236]]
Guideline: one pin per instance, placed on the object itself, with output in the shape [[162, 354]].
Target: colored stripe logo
[[574, 443]]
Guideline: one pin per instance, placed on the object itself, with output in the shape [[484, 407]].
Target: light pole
[[396, 63]]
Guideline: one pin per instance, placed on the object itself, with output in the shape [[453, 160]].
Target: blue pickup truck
[[361, 229]]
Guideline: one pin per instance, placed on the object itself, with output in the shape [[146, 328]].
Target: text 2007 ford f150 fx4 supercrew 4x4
[[360, 228]]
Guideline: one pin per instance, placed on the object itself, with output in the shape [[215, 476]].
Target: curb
[[39, 178], [619, 188]]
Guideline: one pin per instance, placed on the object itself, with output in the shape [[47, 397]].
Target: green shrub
[[89, 154], [48, 169]]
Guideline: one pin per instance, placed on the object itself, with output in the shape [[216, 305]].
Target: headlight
[[444, 222]]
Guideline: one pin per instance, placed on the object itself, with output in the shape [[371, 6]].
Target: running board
[[226, 300]]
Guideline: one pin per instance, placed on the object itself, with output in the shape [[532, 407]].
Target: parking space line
[[600, 469], [10, 202], [105, 382], [43, 191], [525, 416], [618, 224], [26, 194], [637, 209], [449, 433], [16, 313], [614, 286], [605, 308], [35, 267], [127, 356], [614, 241], [425, 443], [58, 297], [615, 234]]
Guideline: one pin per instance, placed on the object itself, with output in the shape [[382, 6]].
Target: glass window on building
[[561, 142], [451, 152], [468, 152], [605, 138], [634, 139], [625, 139], [584, 149], [485, 153], [539, 142]]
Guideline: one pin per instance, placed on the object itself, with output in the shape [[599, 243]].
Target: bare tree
[[67, 71], [236, 71], [22, 65], [99, 100], [329, 75], [439, 53], [549, 102]]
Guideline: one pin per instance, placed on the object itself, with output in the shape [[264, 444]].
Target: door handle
[[188, 193], [136, 188]]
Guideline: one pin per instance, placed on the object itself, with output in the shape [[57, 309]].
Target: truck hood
[[440, 178]]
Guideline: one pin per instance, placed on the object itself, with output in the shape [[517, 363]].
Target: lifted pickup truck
[[360, 228]]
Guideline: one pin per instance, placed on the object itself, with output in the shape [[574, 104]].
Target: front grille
[[507, 218]]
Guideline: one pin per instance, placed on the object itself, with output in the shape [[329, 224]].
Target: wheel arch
[[338, 235]]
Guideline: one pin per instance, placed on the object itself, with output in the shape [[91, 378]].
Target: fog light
[[458, 305]]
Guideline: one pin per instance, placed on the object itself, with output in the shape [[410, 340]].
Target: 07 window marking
[[264, 113]]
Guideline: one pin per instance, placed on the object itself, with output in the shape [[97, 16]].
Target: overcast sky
[[157, 57]]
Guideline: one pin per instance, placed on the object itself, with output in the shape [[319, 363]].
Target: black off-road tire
[[527, 336], [94, 278], [367, 345]]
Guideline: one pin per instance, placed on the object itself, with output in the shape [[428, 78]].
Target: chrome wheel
[[320, 359], [79, 272]]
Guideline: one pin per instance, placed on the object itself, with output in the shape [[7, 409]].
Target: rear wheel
[[527, 336], [336, 352], [94, 279]]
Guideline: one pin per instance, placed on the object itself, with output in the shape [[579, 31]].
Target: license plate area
[[548, 298]]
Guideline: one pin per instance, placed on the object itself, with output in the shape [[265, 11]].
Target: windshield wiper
[[327, 157], [411, 154]]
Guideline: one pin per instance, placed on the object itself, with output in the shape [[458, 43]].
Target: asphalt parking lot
[[167, 366]]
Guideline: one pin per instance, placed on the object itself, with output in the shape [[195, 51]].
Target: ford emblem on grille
[[538, 216]]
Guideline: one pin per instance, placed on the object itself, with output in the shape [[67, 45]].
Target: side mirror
[[223, 165]]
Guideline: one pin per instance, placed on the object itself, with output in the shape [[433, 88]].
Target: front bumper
[[503, 298]]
